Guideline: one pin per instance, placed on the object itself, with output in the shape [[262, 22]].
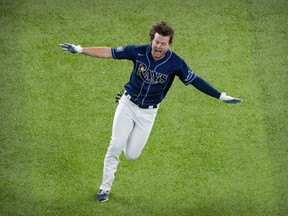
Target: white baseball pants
[[131, 129]]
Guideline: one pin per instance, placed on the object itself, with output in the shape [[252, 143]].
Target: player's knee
[[131, 156]]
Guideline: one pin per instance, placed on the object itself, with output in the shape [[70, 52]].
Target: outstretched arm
[[97, 52], [206, 88]]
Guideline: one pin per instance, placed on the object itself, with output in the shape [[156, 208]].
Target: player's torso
[[151, 79], [153, 72]]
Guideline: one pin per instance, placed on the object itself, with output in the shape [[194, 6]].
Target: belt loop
[[127, 95]]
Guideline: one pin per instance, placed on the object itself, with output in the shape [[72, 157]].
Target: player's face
[[160, 45]]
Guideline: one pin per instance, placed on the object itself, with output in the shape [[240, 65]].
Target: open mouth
[[158, 52]]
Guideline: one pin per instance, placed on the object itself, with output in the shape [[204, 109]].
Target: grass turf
[[204, 157]]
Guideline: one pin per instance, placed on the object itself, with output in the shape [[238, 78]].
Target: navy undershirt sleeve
[[205, 87]]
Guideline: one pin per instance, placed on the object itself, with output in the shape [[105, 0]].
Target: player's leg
[[122, 126], [139, 135]]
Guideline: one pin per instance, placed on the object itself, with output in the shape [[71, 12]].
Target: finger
[[64, 46], [234, 100], [238, 100]]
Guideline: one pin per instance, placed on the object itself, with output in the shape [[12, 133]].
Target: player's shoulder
[[175, 57], [128, 51], [131, 47], [136, 48]]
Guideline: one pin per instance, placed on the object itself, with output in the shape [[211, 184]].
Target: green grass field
[[204, 157]]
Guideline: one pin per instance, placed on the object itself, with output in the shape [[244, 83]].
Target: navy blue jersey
[[150, 80]]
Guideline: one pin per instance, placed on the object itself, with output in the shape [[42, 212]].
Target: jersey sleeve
[[205, 87], [125, 52], [185, 74]]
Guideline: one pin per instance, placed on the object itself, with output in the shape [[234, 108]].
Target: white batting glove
[[228, 99], [71, 48]]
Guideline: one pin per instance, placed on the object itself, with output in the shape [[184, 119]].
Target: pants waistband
[[139, 105]]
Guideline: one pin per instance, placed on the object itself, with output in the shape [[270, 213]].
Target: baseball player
[[155, 67]]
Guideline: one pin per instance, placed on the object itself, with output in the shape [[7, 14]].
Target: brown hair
[[163, 28]]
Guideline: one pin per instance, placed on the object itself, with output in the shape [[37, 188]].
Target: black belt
[[140, 105]]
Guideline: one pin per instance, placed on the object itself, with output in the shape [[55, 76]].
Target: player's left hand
[[71, 48], [228, 99]]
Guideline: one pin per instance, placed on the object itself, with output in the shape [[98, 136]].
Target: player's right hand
[[71, 48]]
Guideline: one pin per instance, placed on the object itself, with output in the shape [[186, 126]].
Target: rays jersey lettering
[[150, 76], [150, 80]]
